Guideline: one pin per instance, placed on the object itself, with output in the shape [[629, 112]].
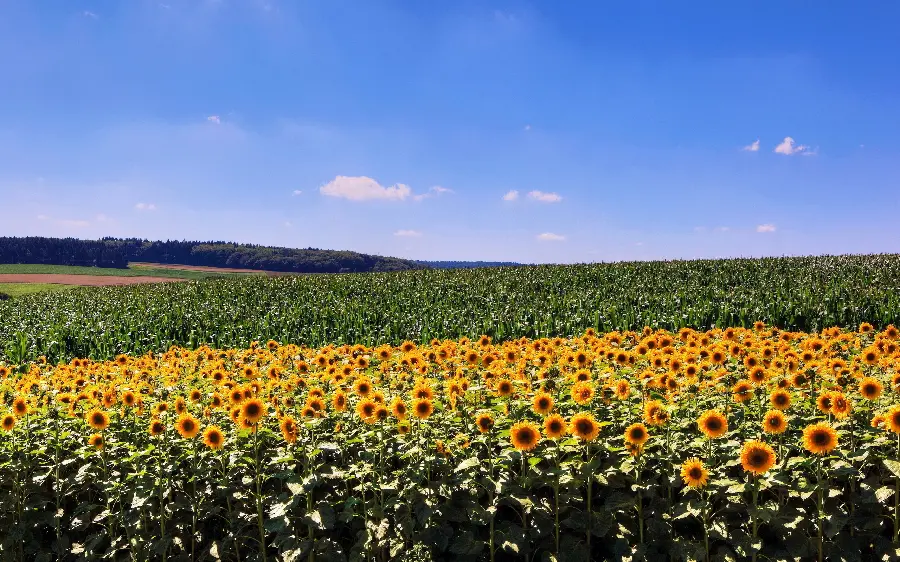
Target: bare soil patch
[[84, 280], [197, 268]]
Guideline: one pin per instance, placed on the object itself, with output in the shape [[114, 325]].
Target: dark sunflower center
[[758, 458], [695, 473], [555, 427], [526, 436], [820, 438], [188, 425], [584, 427], [713, 424]]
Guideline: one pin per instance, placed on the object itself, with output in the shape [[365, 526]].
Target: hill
[[117, 253]]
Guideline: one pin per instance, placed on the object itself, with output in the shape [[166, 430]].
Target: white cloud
[[42, 217], [288, 224], [766, 228], [214, 119], [362, 188], [434, 191], [544, 197], [89, 14], [752, 147], [722, 229], [788, 148], [550, 237], [408, 233], [527, 127], [145, 207], [101, 218], [511, 195], [297, 192]]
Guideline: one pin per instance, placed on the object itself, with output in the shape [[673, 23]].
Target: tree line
[[117, 252]]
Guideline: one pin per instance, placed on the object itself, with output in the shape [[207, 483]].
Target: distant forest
[[467, 264], [116, 252]]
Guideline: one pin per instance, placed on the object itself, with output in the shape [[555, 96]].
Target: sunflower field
[[728, 444]]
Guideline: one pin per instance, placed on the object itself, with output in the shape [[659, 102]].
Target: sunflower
[[584, 426], [253, 410], [398, 408], [288, 429], [742, 391], [820, 438], [524, 435], [403, 427], [780, 399], [422, 408], [362, 387], [774, 422], [877, 421], [484, 421], [157, 427], [582, 393], [97, 419], [542, 403], [870, 356], [365, 409], [623, 389], [823, 403], [128, 398], [893, 419], [655, 413], [504, 388], [713, 424], [554, 426], [757, 457], [339, 401], [694, 473], [636, 434], [840, 406], [870, 388], [187, 426], [213, 437], [20, 407], [96, 441], [8, 422]]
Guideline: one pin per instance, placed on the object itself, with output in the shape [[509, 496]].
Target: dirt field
[[198, 268], [84, 280]]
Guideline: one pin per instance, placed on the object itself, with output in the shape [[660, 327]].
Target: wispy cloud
[[89, 14], [408, 233], [527, 127], [74, 223], [288, 224], [215, 119], [435, 191], [145, 207], [544, 197], [297, 192], [551, 237], [752, 147], [511, 195], [362, 188], [765, 228], [787, 147]]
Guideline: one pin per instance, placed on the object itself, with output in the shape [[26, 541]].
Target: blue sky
[[529, 131]]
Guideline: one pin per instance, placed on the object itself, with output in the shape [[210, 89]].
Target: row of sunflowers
[[734, 444]]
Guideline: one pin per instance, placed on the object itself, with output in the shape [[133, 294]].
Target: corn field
[[726, 444], [505, 303]]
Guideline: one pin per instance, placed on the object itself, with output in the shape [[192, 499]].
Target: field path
[[84, 280]]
